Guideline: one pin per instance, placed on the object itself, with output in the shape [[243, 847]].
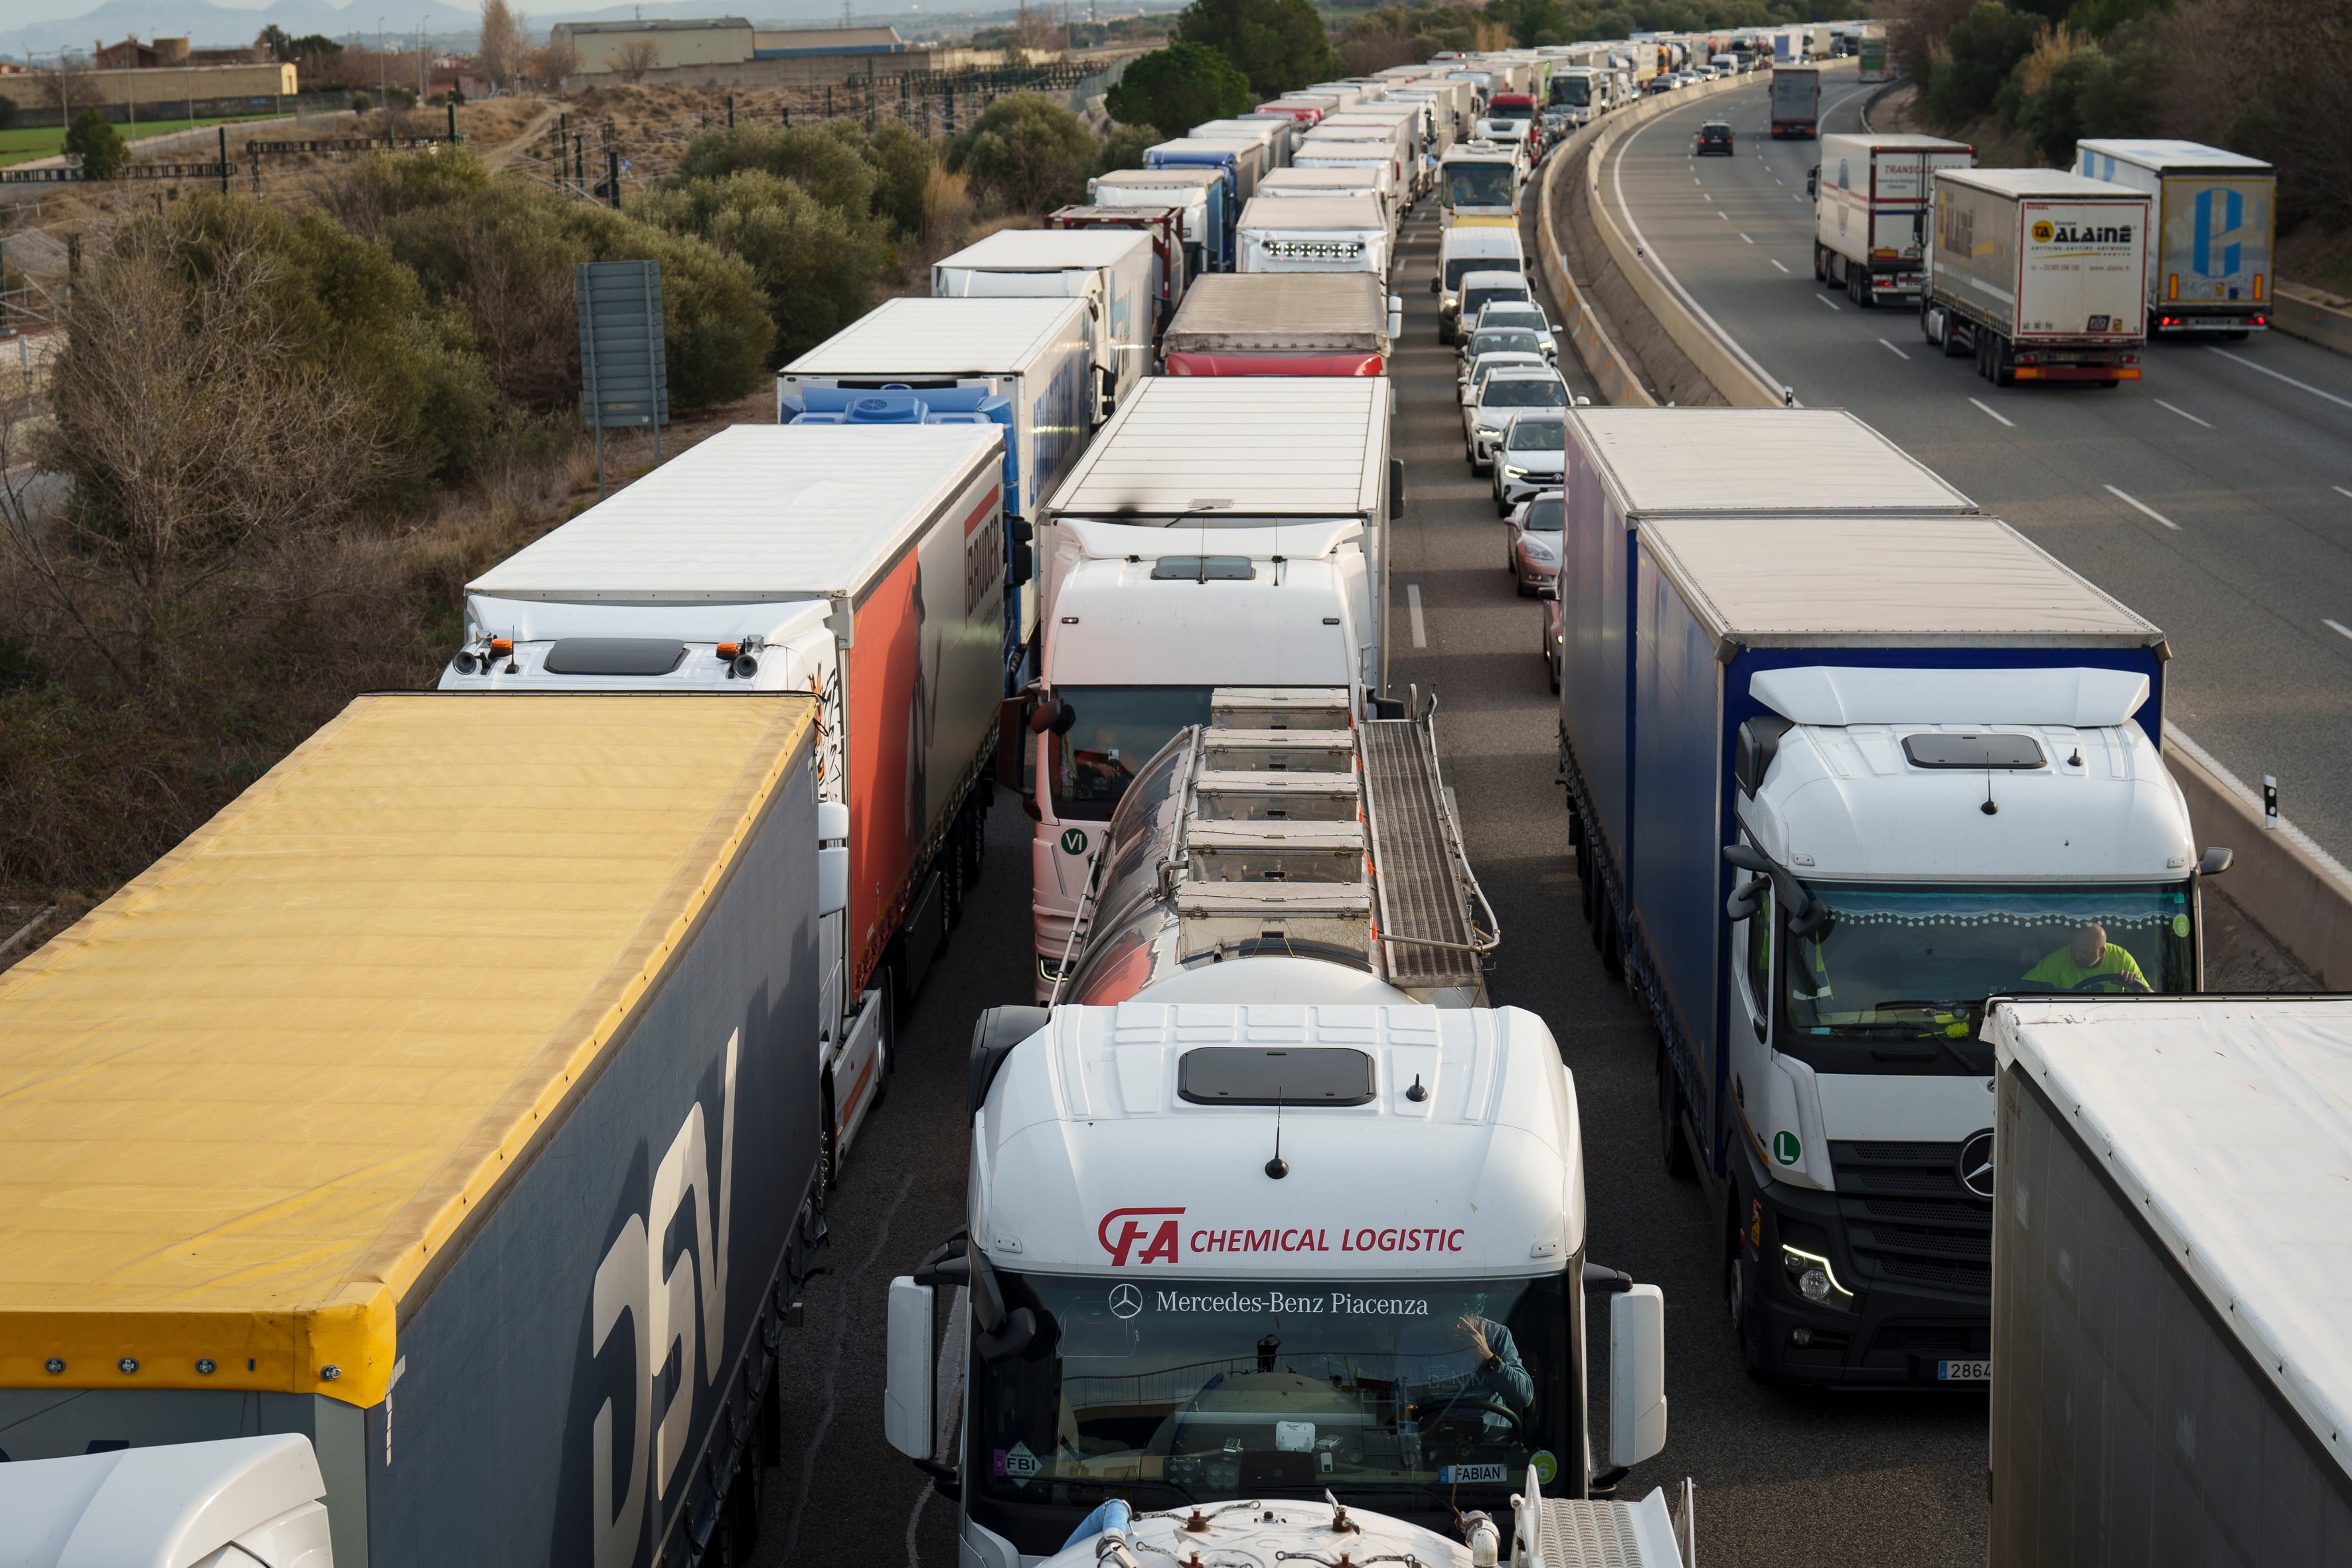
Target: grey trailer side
[[2129, 1425]]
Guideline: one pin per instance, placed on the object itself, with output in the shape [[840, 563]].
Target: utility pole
[[383, 70]]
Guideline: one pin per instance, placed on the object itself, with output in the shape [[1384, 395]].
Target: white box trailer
[[1221, 530], [1025, 364], [2210, 238], [1111, 270], [1201, 192], [1869, 193], [1327, 234], [864, 563], [2041, 272], [1366, 182], [1796, 100], [1274, 132], [2171, 1379]]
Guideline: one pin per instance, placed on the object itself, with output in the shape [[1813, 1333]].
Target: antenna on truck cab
[[1277, 1167]]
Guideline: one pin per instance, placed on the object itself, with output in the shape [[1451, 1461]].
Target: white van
[[1463, 249]]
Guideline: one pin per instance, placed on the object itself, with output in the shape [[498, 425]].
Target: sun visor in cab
[[2083, 699]]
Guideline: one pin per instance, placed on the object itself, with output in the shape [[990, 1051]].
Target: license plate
[[1449, 1474], [1964, 1372]]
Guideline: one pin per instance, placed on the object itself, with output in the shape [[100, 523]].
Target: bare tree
[[546, 68], [503, 45], [196, 435], [637, 56]]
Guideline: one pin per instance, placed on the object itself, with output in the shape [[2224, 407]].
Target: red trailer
[[1283, 323], [1166, 226]]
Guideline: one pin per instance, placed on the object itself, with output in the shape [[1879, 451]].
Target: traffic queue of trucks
[[2043, 274], [1273, 1215]]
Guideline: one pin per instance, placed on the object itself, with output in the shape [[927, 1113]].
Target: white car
[[1522, 314], [1466, 388], [1482, 289], [1499, 340], [1532, 456], [1502, 394]]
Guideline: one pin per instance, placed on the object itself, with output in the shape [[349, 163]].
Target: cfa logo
[[2043, 230], [660, 1302], [1134, 1226]]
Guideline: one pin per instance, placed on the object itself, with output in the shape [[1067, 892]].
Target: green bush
[[902, 163], [505, 251], [1279, 45], [1984, 47], [1027, 152], [7, 112], [1125, 146], [2089, 93], [362, 103], [817, 266], [102, 146], [827, 162], [1179, 86]]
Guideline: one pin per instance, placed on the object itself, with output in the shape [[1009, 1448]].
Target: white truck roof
[[2227, 1125], [1256, 312], [757, 513], [1336, 214], [1181, 178], [918, 336], [1482, 1178], [1882, 582], [1255, 444], [1753, 462], [163, 1504], [1049, 249], [2162, 156], [1294, 184], [1896, 142], [2039, 184]]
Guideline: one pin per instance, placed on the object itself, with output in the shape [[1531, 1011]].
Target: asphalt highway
[[2214, 495], [1782, 1478]]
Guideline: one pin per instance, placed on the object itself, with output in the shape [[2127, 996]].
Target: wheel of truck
[[1607, 940], [1674, 1149], [1863, 295], [2004, 373], [1929, 323], [1819, 275], [1735, 1301], [1983, 341]]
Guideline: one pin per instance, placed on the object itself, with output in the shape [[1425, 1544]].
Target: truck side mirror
[[1396, 316], [832, 857], [906, 1393], [2216, 861], [1019, 563], [1637, 1373], [1434, 286], [1813, 181], [1746, 900], [1396, 488], [1012, 738]]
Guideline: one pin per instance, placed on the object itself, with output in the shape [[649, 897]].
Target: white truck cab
[[1221, 530], [1221, 1255]]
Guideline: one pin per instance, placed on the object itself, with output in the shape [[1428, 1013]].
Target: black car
[[1714, 136]]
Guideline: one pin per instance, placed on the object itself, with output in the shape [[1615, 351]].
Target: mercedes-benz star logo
[[1126, 1300], [1974, 1167]]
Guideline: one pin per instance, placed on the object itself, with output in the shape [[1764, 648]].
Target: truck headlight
[[1812, 1278]]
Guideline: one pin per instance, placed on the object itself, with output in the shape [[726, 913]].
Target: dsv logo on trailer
[[659, 1300], [2048, 233]]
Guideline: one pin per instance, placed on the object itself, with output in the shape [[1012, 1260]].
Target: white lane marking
[[2339, 489], [2336, 627], [2301, 385], [1412, 603], [1826, 300], [2011, 423], [1693, 179], [1776, 179], [2160, 403], [2138, 505], [1890, 348], [1703, 196], [1745, 239], [1776, 261], [1724, 216]]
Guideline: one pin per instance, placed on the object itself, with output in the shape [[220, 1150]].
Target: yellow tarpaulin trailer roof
[[246, 1102]]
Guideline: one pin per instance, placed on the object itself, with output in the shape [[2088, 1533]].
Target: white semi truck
[[2169, 1377], [2042, 273], [1220, 530], [1113, 270], [861, 563], [1843, 760], [1234, 1257], [1868, 194], [2209, 237]]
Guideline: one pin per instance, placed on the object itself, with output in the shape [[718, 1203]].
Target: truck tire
[[1821, 273], [2004, 373], [1607, 938], [1674, 1149]]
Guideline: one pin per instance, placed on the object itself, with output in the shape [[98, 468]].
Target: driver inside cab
[[1496, 1368], [2090, 956]]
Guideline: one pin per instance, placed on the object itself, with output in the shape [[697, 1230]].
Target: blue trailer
[[1025, 364], [1832, 780]]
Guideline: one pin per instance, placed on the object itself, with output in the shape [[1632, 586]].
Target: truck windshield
[[1575, 91], [1480, 184], [1167, 1391], [1115, 729], [1915, 964], [1523, 392], [1458, 268]]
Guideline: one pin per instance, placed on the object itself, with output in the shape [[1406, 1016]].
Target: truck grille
[[1909, 1220]]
